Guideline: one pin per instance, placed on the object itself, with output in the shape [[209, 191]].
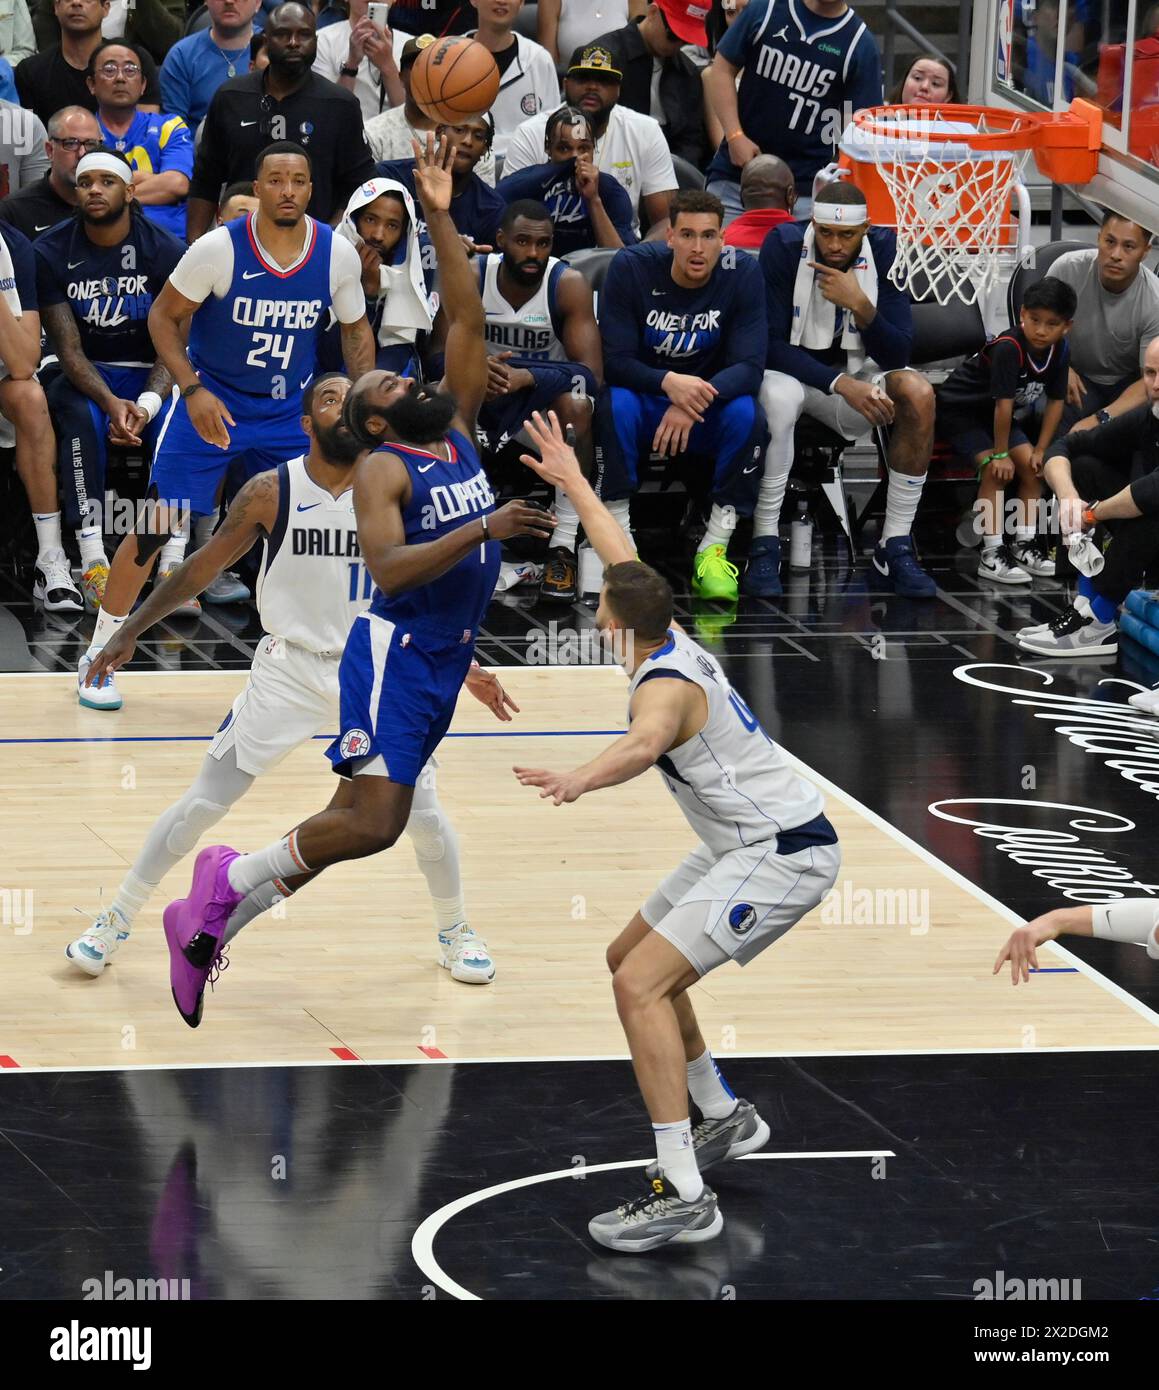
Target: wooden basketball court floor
[[349, 969]]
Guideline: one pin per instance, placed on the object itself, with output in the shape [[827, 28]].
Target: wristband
[[1103, 416], [150, 403], [344, 71], [486, 529]]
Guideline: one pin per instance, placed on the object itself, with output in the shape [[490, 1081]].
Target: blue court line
[[329, 738], [1054, 970]]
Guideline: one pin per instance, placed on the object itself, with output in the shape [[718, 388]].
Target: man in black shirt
[[56, 76], [72, 133], [285, 102], [677, 99]]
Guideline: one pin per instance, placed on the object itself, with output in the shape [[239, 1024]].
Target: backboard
[[1035, 55]]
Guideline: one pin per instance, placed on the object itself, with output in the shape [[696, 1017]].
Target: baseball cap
[[686, 19], [594, 58], [413, 47]]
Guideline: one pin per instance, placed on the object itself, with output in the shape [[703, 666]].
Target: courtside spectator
[[806, 68], [768, 196], [72, 133], [197, 66], [359, 55], [587, 208], [629, 146], [58, 76], [475, 208], [288, 101], [684, 344], [159, 148], [528, 82], [840, 334], [23, 157], [1116, 319]]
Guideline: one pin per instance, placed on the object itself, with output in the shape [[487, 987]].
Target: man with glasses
[[159, 148], [58, 76], [288, 101], [658, 79], [72, 133]]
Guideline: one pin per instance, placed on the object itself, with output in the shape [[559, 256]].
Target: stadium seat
[[1044, 257], [527, 20], [687, 174], [593, 266], [199, 19]]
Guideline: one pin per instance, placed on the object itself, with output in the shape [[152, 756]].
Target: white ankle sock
[[92, 546], [279, 860], [48, 535], [709, 1089], [566, 532], [131, 897], [901, 504], [107, 624], [253, 905], [991, 542], [1024, 534], [449, 912], [677, 1158], [172, 552], [721, 525]]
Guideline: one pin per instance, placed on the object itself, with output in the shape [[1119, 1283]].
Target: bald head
[[767, 182], [1151, 373]]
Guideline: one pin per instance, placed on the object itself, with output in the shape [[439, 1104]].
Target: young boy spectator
[[1014, 370]]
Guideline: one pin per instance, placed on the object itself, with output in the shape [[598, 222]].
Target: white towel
[[815, 319], [409, 310]]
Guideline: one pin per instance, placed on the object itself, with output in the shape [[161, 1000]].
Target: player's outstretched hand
[[560, 786], [520, 519], [1022, 948], [111, 657], [433, 173], [209, 418], [558, 462], [485, 687]]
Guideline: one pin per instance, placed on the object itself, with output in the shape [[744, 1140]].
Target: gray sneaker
[[1075, 632], [658, 1218], [742, 1132]]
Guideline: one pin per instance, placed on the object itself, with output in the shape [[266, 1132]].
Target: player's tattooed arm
[[357, 347], [64, 336], [160, 380], [380, 487]]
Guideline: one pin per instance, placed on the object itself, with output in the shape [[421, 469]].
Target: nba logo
[[1004, 72], [355, 744]]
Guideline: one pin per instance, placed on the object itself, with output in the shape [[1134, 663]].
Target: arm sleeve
[[747, 336], [206, 267], [657, 174], [620, 320], [210, 167], [1005, 369], [176, 89], [523, 149], [48, 291], [176, 147], [778, 263], [346, 281]]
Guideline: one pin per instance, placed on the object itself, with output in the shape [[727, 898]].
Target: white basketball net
[[951, 201]]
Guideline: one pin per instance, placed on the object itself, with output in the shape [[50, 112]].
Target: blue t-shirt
[[554, 185], [651, 326], [475, 211], [23, 268], [804, 76], [193, 70], [110, 289], [157, 144]]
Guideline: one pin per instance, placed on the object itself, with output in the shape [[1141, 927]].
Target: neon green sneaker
[[713, 576]]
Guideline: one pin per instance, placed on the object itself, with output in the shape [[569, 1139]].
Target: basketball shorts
[[746, 899], [291, 696], [398, 691], [187, 470]]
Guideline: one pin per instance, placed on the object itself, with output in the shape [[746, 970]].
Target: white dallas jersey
[[526, 332], [313, 583], [731, 780]]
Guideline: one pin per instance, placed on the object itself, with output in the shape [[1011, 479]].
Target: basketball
[[453, 79]]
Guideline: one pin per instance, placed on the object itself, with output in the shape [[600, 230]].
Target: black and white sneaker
[[1075, 632], [660, 1217], [52, 584], [742, 1132], [999, 566], [1035, 557]]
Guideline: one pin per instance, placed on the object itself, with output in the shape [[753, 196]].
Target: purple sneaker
[[194, 927]]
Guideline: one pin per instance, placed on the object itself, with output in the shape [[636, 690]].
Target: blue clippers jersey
[[262, 336], [110, 289], [804, 76], [444, 496]]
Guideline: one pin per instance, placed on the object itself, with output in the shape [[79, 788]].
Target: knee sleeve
[[783, 399], [194, 816]]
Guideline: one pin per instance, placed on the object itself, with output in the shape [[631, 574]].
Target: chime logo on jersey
[[682, 335], [355, 743], [452, 500], [742, 918]]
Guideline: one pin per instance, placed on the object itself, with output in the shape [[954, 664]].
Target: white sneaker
[[1075, 632], [465, 955], [999, 566], [95, 948], [1146, 700], [1034, 557], [53, 586], [102, 696]]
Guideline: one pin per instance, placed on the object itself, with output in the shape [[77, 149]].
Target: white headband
[[840, 214], [110, 163]]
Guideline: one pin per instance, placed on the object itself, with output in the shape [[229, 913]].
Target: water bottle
[[801, 539]]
